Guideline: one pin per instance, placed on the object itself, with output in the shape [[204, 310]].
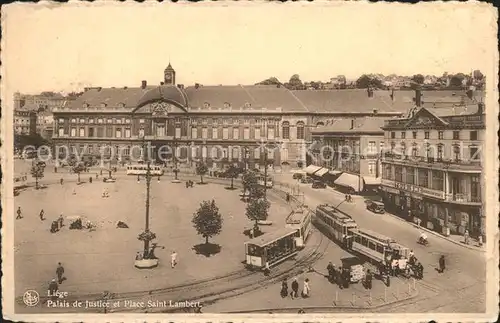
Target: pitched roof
[[371, 124], [111, 96], [351, 100]]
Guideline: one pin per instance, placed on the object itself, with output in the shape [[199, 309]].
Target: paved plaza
[[103, 259]]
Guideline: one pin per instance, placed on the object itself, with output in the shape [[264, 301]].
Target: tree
[[418, 78], [37, 171], [232, 172], [77, 169], [457, 79], [256, 192], [249, 180], [201, 169], [365, 81], [295, 82], [258, 210], [270, 81], [207, 220], [478, 75]]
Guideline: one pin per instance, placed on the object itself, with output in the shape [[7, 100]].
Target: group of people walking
[[189, 183], [294, 293], [340, 276]]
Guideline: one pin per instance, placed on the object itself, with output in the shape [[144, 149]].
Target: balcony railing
[[445, 163], [463, 198]]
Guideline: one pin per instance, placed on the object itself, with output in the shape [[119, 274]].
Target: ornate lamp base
[[176, 181], [146, 263]]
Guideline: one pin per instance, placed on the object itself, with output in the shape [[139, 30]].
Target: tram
[[265, 181], [336, 225], [300, 220], [141, 169], [377, 248], [270, 249]]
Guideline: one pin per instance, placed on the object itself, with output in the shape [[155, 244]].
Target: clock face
[[168, 76]]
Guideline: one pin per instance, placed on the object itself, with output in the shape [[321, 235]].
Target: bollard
[[385, 294], [409, 289], [353, 299], [414, 282]]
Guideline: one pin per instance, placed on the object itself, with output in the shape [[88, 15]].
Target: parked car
[[375, 207], [306, 180], [318, 184], [298, 176]]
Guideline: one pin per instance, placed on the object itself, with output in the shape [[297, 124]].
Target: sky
[[66, 47]]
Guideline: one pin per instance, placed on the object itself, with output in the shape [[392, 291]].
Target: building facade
[[45, 100], [433, 167], [351, 149], [24, 121], [228, 122]]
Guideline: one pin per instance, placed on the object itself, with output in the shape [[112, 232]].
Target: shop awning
[[334, 172], [311, 169], [350, 180], [321, 172], [372, 180]]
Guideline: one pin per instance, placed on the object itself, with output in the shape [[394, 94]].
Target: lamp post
[[174, 155], [265, 167]]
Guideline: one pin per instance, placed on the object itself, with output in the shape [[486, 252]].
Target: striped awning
[[350, 180], [372, 180], [321, 172], [311, 169]]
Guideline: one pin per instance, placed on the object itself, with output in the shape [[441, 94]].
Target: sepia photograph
[[249, 162]]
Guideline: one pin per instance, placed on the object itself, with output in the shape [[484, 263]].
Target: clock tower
[[169, 75]]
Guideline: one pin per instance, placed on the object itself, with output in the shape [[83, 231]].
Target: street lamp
[[145, 261], [174, 155]]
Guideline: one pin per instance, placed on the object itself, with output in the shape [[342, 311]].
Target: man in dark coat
[[442, 265], [368, 279], [19, 213], [331, 272], [60, 273], [295, 288], [340, 278]]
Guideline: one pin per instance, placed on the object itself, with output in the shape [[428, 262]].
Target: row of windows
[[98, 132], [431, 152], [473, 135], [99, 120]]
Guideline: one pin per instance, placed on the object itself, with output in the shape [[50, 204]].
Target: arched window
[[300, 130], [319, 124], [285, 126]]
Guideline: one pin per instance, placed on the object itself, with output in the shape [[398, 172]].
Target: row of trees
[[370, 80], [207, 220]]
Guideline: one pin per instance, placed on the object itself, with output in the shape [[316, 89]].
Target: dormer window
[[227, 105], [121, 105], [85, 105], [248, 105], [103, 105], [206, 105]]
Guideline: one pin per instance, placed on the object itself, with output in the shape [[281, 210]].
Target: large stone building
[[216, 120], [350, 149], [25, 120], [45, 100], [433, 167]]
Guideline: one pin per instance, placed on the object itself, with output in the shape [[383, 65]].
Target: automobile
[[318, 184], [298, 176], [265, 222], [306, 180], [375, 207]]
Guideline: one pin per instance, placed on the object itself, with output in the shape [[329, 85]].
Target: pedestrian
[[173, 259], [53, 287], [466, 236], [295, 288], [96, 176], [409, 214], [138, 256], [74, 191], [442, 265], [60, 273], [347, 278], [480, 240], [306, 290], [331, 272], [19, 213], [368, 279], [41, 215], [394, 267], [411, 254], [61, 181], [90, 179], [101, 172], [347, 197], [340, 278], [60, 221], [287, 197], [284, 289], [55, 169]]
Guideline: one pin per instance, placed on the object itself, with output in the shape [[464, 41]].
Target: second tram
[[336, 225], [270, 249], [300, 220]]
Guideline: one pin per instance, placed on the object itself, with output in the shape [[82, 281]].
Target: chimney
[[352, 124], [144, 84], [418, 98], [180, 86], [162, 83], [196, 85], [480, 108], [375, 111]]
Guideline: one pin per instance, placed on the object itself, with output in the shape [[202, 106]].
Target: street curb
[[436, 234]]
